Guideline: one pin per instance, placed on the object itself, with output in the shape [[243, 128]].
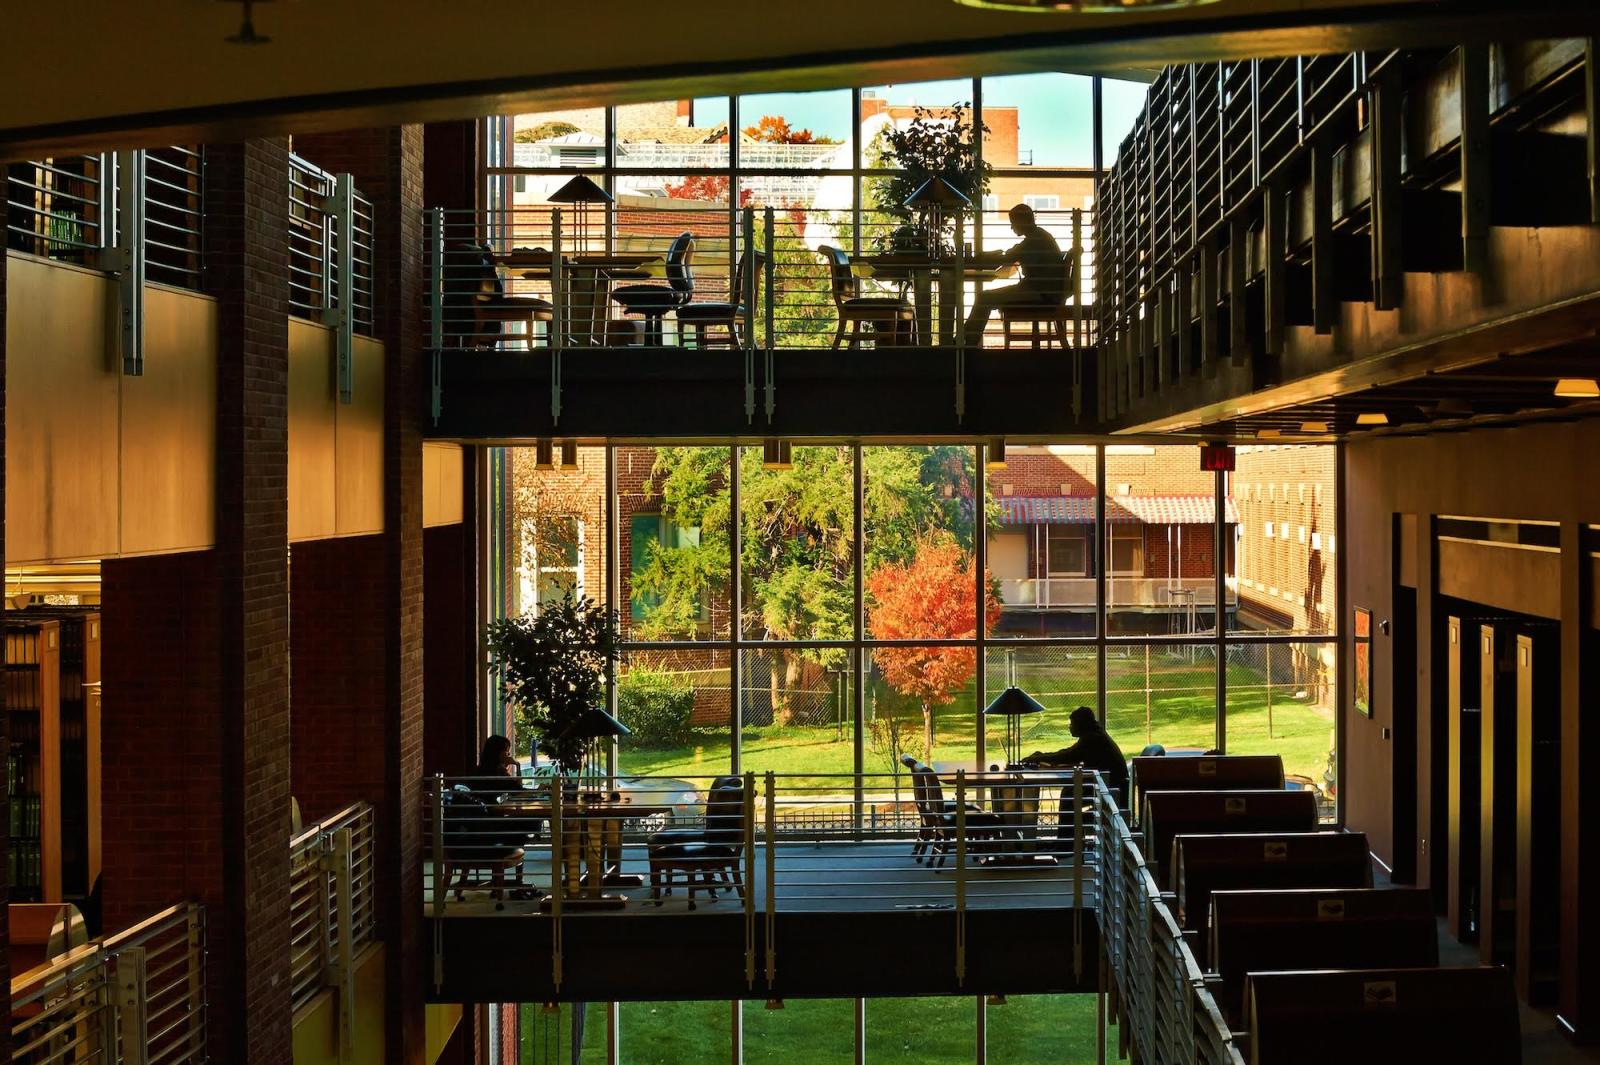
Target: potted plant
[[552, 668], [936, 143]]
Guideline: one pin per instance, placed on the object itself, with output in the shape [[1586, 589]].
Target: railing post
[[340, 974], [771, 282], [441, 879], [750, 880], [745, 297], [436, 283], [558, 298], [132, 1006], [339, 220], [128, 258], [558, 874], [196, 943], [958, 326], [961, 865], [772, 882], [1077, 873]]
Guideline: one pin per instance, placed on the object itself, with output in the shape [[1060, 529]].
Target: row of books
[[24, 863], [24, 817]]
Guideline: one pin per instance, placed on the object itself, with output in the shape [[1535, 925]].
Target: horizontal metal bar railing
[[327, 861], [314, 243], [491, 283], [138, 997]]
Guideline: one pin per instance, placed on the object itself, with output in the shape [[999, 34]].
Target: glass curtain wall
[[826, 615]]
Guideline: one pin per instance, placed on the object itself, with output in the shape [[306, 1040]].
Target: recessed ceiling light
[[1578, 388], [1372, 417], [997, 453], [1452, 408], [1268, 434], [1313, 427], [776, 454]]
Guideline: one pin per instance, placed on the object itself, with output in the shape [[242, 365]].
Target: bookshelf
[[33, 759]]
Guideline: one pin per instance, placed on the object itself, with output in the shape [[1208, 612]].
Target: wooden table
[[591, 855], [589, 278], [1014, 796], [921, 270]]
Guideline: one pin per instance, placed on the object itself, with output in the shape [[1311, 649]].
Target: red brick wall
[[337, 691], [387, 165], [5, 736], [247, 270], [450, 727]]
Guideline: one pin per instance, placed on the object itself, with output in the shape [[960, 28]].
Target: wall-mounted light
[[1578, 388], [569, 454], [997, 453], [543, 454], [1372, 417], [776, 454]]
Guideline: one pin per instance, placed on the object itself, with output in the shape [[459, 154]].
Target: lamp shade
[[580, 190], [594, 723], [1013, 702], [936, 191]]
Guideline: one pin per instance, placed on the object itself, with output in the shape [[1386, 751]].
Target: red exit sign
[[1215, 457]]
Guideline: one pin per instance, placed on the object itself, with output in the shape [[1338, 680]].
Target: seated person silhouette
[[1095, 749], [1044, 273]]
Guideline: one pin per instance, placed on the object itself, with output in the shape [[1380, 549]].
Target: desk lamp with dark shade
[[933, 200], [581, 191], [596, 726], [1012, 704]]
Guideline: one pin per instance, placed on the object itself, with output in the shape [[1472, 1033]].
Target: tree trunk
[[793, 667], [927, 732], [778, 716]]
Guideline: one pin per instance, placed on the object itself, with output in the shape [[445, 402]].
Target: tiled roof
[[1079, 510]]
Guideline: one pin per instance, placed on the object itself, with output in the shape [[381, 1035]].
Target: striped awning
[[1079, 510]]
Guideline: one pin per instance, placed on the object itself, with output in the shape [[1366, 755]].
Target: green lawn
[[1168, 700], [1027, 1030]]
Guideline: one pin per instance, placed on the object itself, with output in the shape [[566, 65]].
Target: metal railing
[[135, 998], [174, 209], [331, 915], [330, 245], [491, 283], [1078, 593]]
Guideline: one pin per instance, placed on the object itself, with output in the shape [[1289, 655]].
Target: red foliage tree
[[775, 129], [711, 188], [929, 598]]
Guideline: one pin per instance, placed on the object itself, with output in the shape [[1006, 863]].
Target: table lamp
[[595, 725], [1011, 704], [933, 200], [581, 191]]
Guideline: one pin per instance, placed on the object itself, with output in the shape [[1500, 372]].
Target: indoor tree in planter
[[937, 142], [552, 667]]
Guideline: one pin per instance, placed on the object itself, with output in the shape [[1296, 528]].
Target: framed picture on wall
[[1362, 657]]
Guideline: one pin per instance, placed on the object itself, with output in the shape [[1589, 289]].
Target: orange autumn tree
[[929, 598]]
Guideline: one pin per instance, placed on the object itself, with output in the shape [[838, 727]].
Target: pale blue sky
[[1054, 119]]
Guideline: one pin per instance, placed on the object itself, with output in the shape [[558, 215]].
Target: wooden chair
[[1383, 1016], [1261, 860], [1054, 314], [654, 302], [706, 855], [1168, 814], [477, 306], [1208, 773], [892, 318], [478, 849], [1346, 928], [728, 315], [937, 820]]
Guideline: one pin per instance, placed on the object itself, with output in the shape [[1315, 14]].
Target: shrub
[[657, 707]]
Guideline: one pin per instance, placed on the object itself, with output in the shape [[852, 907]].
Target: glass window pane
[[670, 1033], [1038, 120], [822, 1031], [797, 715], [571, 138], [557, 527], [795, 130], [1280, 701], [548, 1037], [677, 704], [1120, 104], [919, 522], [895, 106], [1042, 540], [798, 549], [916, 694], [803, 310], [1159, 540], [1040, 1030], [1061, 678], [920, 1031], [1162, 694], [673, 134], [1284, 581], [676, 582]]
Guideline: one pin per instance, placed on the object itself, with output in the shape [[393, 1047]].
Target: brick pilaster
[[387, 167], [5, 735], [247, 269]]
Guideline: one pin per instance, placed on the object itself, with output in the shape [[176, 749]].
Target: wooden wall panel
[[358, 446], [441, 484], [61, 413], [169, 428], [1511, 578], [312, 406]]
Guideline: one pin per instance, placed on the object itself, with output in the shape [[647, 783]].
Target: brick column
[[5, 719], [387, 167], [247, 268]]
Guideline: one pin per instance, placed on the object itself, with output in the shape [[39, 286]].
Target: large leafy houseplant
[[552, 668], [937, 142]]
